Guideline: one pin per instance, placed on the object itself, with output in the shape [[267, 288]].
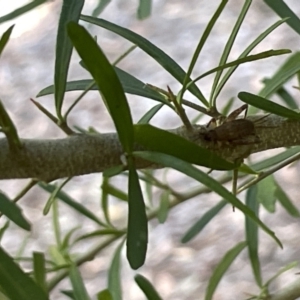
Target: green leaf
[[163, 209], [137, 236], [5, 38], [3, 230], [21, 10], [104, 200], [289, 68], [287, 98], [113, 171], [144, 9], [71, 202], [252, 234], [107, 80], [111, 190], [246, 169], [70, 12], [221, 268], [159, 140], [104, 295], [68, 293], [13, 212], [146, 118], [282, 270], [9, 129], [161, 57], [130, 84], [146, 286], [101, 232], [39, 269], [114, 275], [78, 286], [200, 45], [134, 86], [244, 54], [202, 222], [284, 11], [51, 200], [100, 7], [65, 244], [268, 105], [228, 48], [286, 202], [266, 193], [191, 171], [276, 159], [16, 284], [243, 60]]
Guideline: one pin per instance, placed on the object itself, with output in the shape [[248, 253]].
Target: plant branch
[[81, 154]]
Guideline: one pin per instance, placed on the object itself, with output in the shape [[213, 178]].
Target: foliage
[[161, 147]]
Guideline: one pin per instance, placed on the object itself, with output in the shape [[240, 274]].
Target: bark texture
[[83, 154]]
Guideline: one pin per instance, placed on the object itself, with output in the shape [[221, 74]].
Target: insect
[[235, 131]]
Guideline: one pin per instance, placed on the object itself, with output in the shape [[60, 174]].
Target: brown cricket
[[232, 130]]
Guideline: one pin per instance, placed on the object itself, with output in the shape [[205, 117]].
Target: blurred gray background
[[178, 271]]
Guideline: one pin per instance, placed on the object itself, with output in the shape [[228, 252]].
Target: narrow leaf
[[200, 45], [261, 37], [100, 7], [79, 290], [146, 118], [252, 234], [282, 270], [221, 268], [144, 9], [191, 171], [204, 220], [107, 80], [9, 129], [243, 60], [5, 38], [161, 57], [163, 209], [16, 284], [280, 7], [137, 236], [113, 171], [65, 244], [21, 10], [114, 275], [104, 295], [101, 232], [266, 193], [289, 68], [286, 202], [69, 294], [228, 47], [268, 105], [159, 140], [70, 12], [287, 98], [3, 230], [71, 202], [13, 212], [278, 158], [146, 286], [130, 86], [111, 190], [39, 269], [104, 200]]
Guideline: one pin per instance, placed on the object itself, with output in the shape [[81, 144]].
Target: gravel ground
[[178, 271]]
